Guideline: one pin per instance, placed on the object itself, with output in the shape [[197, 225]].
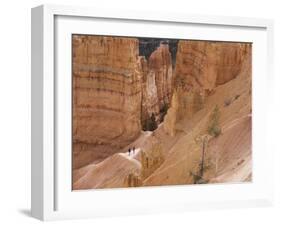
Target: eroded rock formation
[[200, 68], [149, 92], [204, 65], [207, 74], [107, 94], [157, 75]]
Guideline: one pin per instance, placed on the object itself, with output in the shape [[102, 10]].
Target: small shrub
[[216, 131], [197, 179], [237, 96], [214, 128], [208, 164]]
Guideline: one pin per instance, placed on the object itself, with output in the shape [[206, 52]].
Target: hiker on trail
[[133, 150], [129, 151]]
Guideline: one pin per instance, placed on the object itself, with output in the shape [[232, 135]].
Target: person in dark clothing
[[129, 151], [133, 150]]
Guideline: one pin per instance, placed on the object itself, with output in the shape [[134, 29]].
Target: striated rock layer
[[106, 95], [204, 65], [200, 68]]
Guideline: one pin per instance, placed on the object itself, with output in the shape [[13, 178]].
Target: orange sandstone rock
[[106, 95]]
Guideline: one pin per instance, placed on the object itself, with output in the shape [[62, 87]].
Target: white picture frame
[[49, 28]]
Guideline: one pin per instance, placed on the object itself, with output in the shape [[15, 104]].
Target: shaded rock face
[[148, 45], [200, 68], [106, 95], [149, 92], [160, 64], [157, 75]]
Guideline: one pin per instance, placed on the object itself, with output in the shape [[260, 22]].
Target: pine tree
[[214, 128]]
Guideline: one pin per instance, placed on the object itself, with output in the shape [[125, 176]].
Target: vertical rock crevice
[[157, 76]]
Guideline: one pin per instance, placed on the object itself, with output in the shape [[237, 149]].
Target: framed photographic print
[[137, 112]]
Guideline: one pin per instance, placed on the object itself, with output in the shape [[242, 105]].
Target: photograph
[[160, 112]]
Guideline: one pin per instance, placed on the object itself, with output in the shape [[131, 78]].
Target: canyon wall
[[106, 95], [200, 68], [205, 65], [117, 92]]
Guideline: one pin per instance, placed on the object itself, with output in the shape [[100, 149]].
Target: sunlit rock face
[[160, 65], [200, 68], [149, 92], [205, 65], [107, 95], [231, 60]]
